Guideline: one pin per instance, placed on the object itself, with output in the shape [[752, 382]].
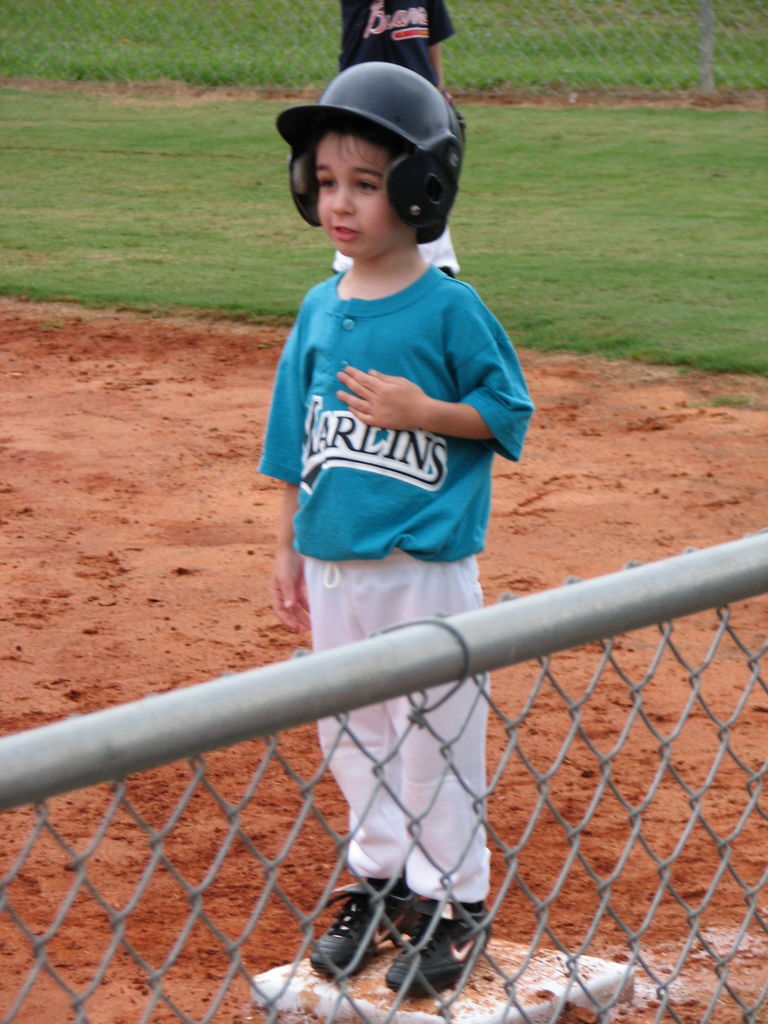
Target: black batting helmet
[[423, 181]]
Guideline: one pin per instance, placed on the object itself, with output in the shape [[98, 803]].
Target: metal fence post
[[706, 46]]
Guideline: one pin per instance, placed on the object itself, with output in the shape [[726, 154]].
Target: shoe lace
[[354, 910], [426, 924], [441, 929]]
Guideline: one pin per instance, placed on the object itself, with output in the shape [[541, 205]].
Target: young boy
[[394, 391]]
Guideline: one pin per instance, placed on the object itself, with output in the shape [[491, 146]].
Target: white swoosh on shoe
[[461, 953]]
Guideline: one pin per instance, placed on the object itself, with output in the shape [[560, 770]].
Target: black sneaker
[[441, 947], [364, 923]]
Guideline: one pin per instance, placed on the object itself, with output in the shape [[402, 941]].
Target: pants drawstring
[[331, 576]]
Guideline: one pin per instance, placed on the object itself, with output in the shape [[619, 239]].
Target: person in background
[[409, 35]]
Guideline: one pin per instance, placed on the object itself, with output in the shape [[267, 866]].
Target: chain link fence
[[626, 817], [502, 47]]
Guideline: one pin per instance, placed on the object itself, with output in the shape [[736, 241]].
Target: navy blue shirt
[[398, 33]]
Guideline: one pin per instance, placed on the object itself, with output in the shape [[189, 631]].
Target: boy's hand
[[289, 595], [392, 403]]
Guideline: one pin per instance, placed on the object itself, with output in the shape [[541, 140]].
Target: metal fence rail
[[148, 867], [551, 47]]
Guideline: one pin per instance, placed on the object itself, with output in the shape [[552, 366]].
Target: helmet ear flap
[[421, 192], [304, 186]]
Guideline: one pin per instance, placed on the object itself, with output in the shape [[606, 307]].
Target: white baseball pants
[[414, 809]]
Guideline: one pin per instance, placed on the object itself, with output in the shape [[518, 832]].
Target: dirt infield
[[184, 94], [135, 557]]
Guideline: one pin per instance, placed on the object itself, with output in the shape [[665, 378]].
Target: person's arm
[[395, 403], [436, 60], [289, 596]]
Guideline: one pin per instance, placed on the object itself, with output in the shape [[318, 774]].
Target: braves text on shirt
[[403, 24]]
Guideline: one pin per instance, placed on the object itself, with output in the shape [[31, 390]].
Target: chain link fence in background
[[626, 817], [551, 47]]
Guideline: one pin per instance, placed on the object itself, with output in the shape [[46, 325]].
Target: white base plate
[[544, 992]]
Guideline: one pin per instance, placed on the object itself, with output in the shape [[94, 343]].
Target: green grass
[[613, 44], [629, 233]]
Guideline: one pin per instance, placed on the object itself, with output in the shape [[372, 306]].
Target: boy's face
[[352, 201]]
